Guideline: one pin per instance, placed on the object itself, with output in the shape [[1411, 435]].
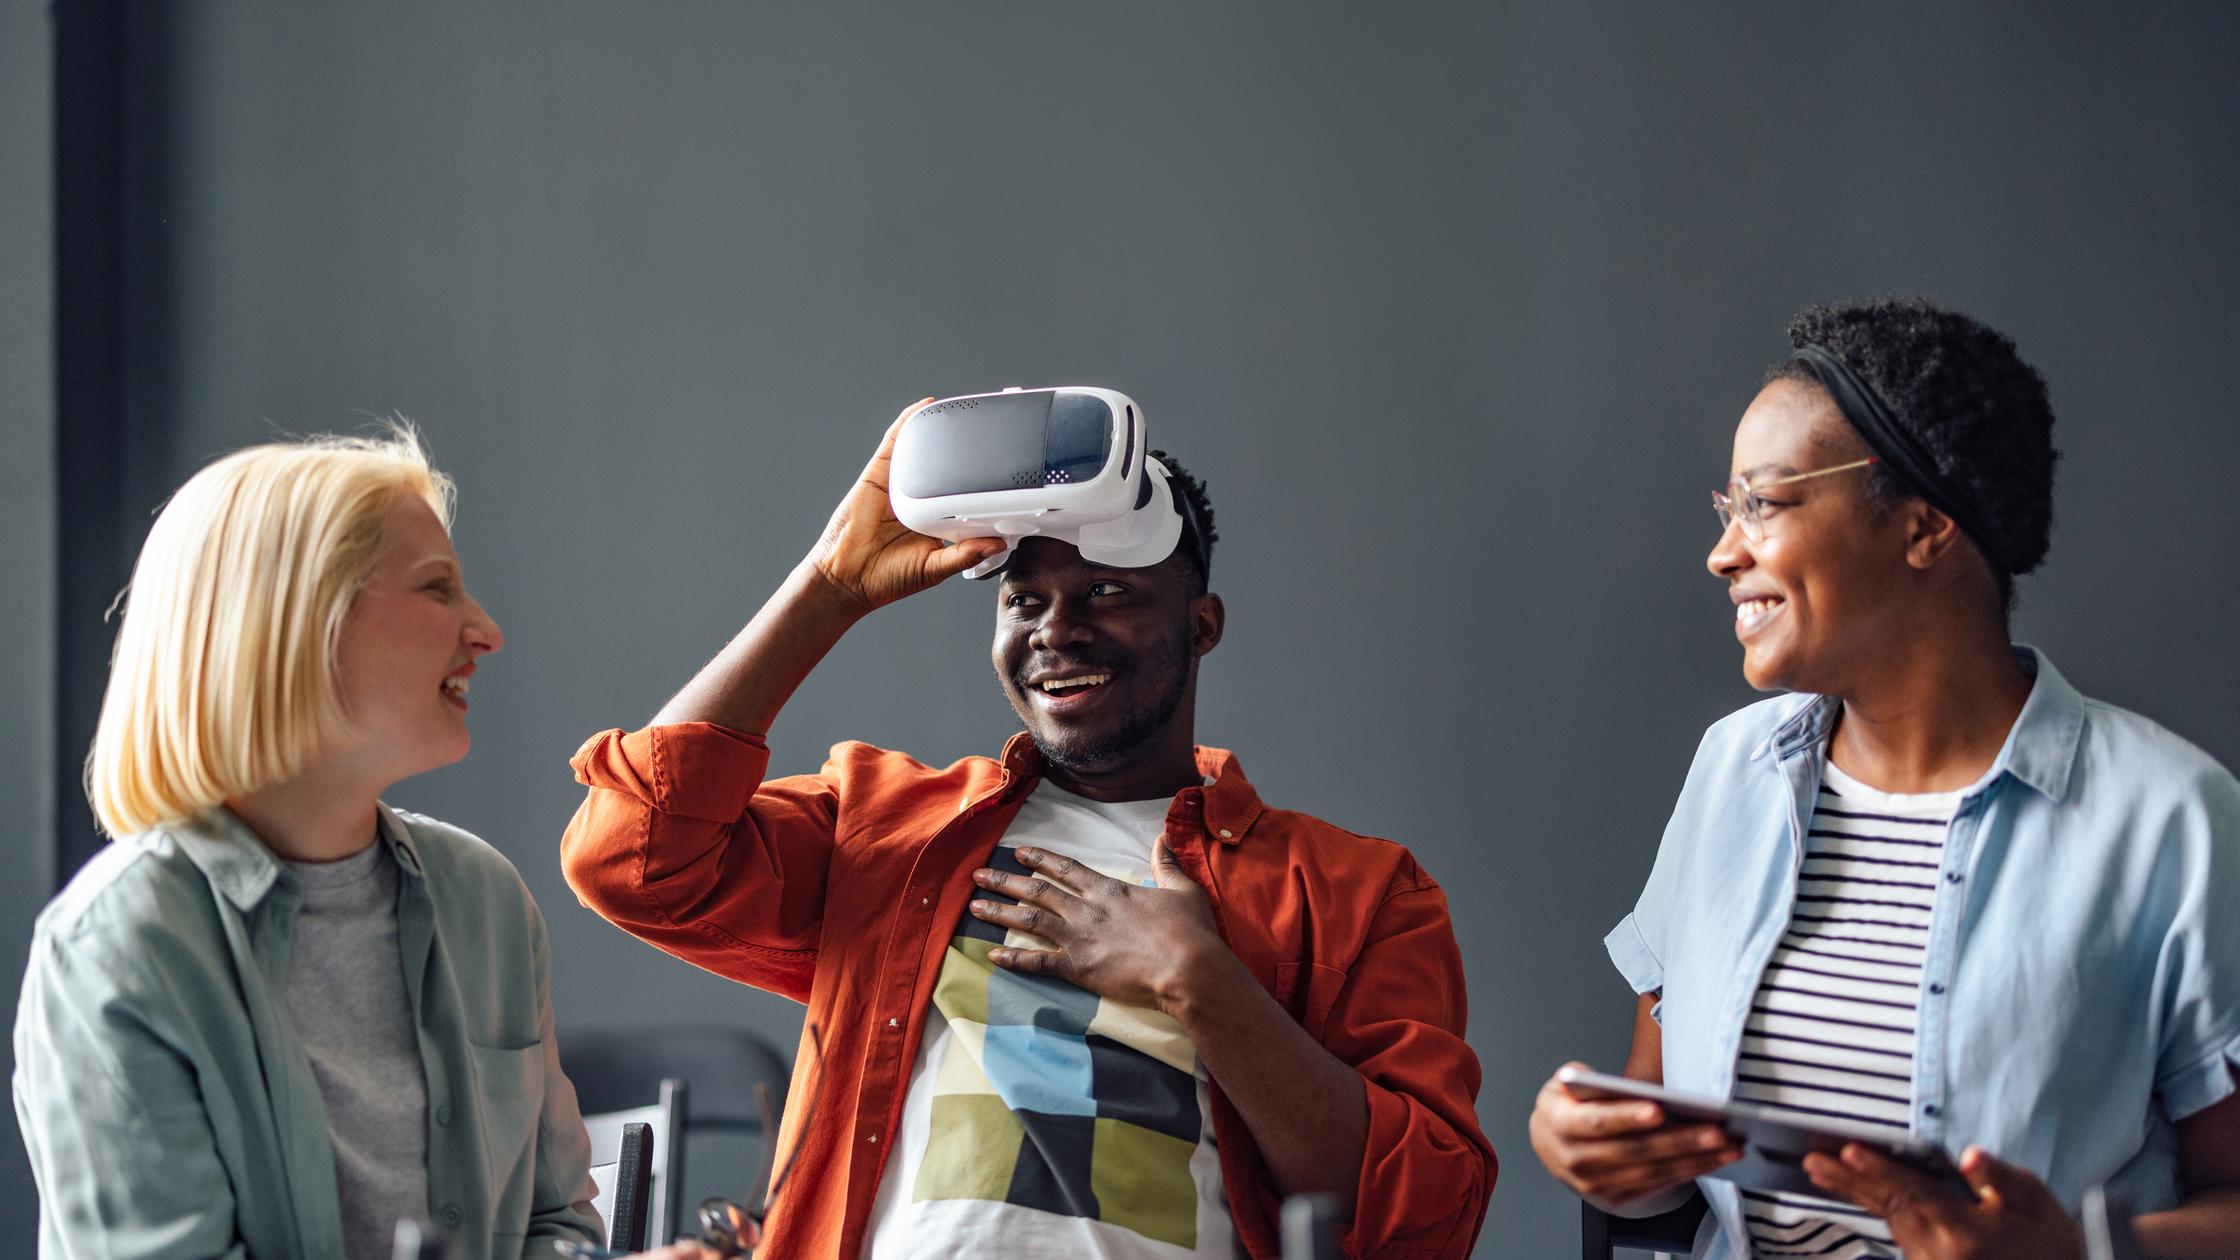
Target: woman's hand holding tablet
[[1772, 1147], [2001, 1210], [1628, 1155]]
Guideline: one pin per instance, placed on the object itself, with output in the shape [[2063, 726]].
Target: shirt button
[[1952, 877], [1225, 833], [1936, 988], [452, 1215], [873, 1139], [1929, 1109], [924, 902], [443, 1114], [894, 1023]]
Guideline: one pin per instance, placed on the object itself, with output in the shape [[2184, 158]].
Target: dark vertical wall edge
[[29, 558], [89, 150]]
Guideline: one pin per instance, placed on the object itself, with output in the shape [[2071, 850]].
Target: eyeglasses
[[1739, 501]]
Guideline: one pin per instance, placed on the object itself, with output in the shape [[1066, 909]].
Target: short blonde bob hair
[[224, 679]]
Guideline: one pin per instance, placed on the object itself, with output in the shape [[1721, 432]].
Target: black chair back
[[1601, 1234], [703, 1078]]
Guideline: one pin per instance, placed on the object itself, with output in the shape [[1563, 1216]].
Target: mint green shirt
[[169, 1111]]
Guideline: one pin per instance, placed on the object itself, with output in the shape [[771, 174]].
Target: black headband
[[1893, 445]]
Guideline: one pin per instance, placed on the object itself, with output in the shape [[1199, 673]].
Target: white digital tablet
[[1773, 1146]]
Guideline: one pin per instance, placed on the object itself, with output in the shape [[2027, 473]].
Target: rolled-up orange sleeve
[[681, 843], [1427, 1171]]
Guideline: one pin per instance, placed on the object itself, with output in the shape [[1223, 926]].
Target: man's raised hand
[[867, 558]]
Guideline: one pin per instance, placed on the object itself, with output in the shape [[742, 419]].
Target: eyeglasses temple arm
[[1817, 472]]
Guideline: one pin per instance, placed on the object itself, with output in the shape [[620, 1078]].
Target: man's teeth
[[1056, 686], [455, 687], [1750, 608]]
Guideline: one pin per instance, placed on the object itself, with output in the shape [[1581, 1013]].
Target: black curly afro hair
[[1194, 490], [1959, 387]]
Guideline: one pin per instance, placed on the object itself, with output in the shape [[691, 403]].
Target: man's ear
[[1207, 617]]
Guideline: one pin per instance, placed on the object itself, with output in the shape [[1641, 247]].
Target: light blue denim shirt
[[2082, 984], [169, 1111]]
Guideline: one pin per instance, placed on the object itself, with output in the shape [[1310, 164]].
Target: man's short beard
[[1132, 740]]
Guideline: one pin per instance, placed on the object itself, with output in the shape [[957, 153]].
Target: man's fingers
[[1165, 870], [1027, 888], [894, 430], [1060, 870], [1038, 962], [875, 469], [949, 561], [1033, 920]]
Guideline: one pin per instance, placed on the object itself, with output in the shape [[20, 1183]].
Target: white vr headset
[[1066, 463]]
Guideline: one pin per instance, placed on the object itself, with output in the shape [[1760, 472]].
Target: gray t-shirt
[[345, 995]]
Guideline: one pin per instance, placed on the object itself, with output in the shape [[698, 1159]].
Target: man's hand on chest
[[1154, 947]]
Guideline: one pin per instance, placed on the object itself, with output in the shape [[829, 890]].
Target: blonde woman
[[276, 1015]]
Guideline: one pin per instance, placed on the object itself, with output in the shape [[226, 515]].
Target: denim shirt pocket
[[1308, 991]]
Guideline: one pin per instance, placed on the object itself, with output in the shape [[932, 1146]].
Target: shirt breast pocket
[[509, 1092], [1308, 991]]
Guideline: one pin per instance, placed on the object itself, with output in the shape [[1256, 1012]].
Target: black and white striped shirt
[[1831, 1031]]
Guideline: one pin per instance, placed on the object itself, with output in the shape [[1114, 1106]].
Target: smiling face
[[1101, 663], [1826, 593], [408, 645]]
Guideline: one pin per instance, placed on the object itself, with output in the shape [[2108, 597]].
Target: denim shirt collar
[[244, 871], [2040, 750]]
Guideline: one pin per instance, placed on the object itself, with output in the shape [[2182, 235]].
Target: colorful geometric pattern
[[1053, 1099]]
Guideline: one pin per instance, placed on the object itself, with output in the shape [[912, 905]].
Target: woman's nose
[[482, 629], [1731, 554]]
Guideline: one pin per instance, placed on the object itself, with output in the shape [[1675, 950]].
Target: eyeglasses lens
[[1736, 504]]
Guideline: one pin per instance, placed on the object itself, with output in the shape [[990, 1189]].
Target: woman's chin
[[1763, 671], [449, 751]]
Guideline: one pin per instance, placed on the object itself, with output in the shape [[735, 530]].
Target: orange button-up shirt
[[842, 889]]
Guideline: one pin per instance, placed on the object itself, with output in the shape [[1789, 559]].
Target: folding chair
[[1671, 1233], [626, 1188]]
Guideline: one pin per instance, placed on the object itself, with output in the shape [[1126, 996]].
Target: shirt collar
[[1231, 803], [398, 836], [242, 869], [2040, 750]]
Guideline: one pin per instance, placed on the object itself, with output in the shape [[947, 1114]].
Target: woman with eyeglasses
[[1931, 889], [276, 1015]]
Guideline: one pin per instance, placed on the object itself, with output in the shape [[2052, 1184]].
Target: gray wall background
[[1454, 306]]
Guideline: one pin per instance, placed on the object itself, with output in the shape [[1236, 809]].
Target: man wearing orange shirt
[[1091, 997]]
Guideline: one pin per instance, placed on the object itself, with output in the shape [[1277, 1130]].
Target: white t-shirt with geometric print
[[1042, 1120]]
